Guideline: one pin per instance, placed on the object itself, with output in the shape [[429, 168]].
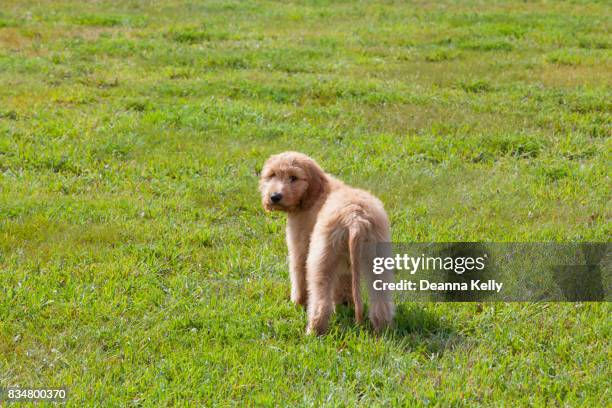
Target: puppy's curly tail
[[354, 237]]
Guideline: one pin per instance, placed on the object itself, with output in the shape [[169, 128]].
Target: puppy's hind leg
[[382, 308], [354, 255], [321, 280]]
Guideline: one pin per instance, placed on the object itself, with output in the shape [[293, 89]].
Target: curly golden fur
[[331, 230]]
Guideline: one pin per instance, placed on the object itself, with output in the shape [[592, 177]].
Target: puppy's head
[[291, 181]]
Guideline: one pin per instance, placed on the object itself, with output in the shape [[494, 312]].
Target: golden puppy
[[332, 231]]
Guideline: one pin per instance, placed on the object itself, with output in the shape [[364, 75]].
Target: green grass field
[[137, 266]]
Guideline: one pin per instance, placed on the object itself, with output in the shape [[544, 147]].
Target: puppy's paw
[[381, 315], [315, 331], [299, 299], [316, 327]]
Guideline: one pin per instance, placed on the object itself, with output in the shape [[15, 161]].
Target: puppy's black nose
[[276, 197]]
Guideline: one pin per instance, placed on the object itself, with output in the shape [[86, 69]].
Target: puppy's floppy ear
[[317, 183]]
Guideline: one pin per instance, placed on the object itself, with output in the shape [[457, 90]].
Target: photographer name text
[[424, 285]]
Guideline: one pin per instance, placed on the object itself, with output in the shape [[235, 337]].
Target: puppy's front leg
[[298, 252]]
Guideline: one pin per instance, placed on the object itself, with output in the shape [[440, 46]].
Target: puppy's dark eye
[[293, 178]]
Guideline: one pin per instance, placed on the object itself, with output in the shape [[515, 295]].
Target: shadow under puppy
[[332, 231]]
